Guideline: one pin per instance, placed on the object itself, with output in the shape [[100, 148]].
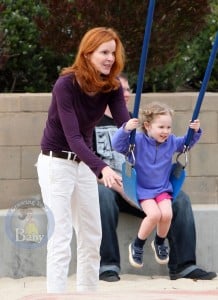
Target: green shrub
[[38, 38], [30, 67], [187, 69]]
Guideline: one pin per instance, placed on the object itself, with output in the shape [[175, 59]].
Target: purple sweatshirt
[[153, 161], [72, 117]]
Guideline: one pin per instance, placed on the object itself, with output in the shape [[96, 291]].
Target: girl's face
[[160, 128], [103, 57]]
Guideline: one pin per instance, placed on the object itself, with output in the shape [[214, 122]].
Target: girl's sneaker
[[135, 256], [161, 253]]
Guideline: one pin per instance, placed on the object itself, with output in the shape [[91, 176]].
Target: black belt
[[64, 155]]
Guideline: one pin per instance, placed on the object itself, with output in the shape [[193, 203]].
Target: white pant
[[69, 189]]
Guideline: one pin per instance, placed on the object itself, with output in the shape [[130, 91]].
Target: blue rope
[[142, 66], [202, 90]]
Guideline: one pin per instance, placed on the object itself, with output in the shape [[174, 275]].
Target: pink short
[[160, 197]]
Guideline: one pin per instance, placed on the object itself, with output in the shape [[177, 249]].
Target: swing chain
[[131, 148], [130, 156], [186, 158], [185, 149]]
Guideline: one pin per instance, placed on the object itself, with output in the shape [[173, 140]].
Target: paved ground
[[152, 295], [130, 287]]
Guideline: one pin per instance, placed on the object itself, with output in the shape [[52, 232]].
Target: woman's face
[[104, 57]]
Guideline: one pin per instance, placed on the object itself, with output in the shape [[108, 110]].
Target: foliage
[[186, 71], [38, 38], [3, 51], [128, 17], [197, 54], [29, 66]]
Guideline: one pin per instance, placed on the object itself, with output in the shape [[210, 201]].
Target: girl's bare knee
[[166, 217], [154, 217]]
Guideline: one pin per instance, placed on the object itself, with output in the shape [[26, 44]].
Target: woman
[[67, 167]]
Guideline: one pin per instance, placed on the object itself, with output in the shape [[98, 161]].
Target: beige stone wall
[[22, 118]]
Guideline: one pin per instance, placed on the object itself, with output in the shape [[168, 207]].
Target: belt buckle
[[70, 155], [74, 157]]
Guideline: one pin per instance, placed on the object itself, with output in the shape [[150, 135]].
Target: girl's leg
[[152, 218], [56, 179], [160, 249], [163, 226], [153, 215], [87, 224]]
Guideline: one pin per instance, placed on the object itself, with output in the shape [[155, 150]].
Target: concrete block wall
[[18, 262], [22, 119]]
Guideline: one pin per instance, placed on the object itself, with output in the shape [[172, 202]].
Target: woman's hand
[[110, 177]]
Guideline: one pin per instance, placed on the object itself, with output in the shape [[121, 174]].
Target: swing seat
[[177, 178], [129, 178]]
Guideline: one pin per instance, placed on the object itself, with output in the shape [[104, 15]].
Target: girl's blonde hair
[[151, 111], [88, 77]]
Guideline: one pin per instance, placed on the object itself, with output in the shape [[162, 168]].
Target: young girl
[[67, 166], [154, 150]]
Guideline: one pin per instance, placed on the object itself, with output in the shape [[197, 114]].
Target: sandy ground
[[130, 287]]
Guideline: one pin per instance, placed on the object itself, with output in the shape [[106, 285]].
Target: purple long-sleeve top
[[153, 161], [72, 117]]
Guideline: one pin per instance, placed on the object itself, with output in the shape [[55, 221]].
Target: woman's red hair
[[88, 77]]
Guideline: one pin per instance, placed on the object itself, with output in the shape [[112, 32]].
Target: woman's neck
[[108, 112]]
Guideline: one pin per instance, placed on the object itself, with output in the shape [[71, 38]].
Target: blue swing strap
[[203, 88], [177, 176], [200, 98], [128, 170], [140, 80]]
